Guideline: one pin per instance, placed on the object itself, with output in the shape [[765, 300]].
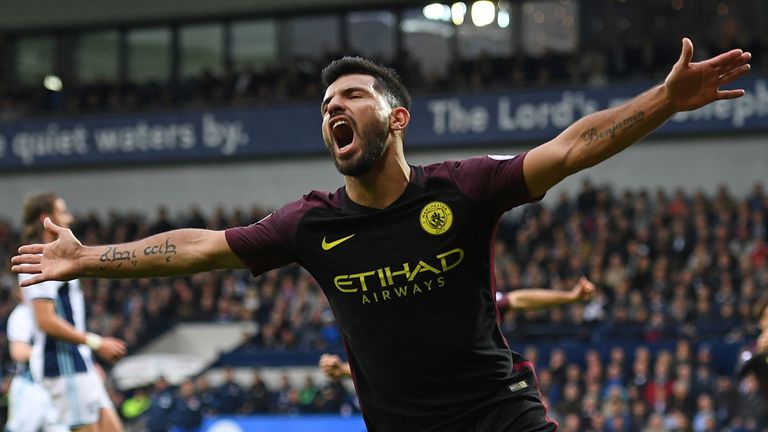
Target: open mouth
[[342, 134]]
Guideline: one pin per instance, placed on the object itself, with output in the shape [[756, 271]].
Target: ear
[[42, 217], [399, 119]]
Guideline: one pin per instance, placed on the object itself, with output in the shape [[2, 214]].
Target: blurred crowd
[[161, 407], [643, 390], [669, 265], [640, 59], [673, 389], [672, 267]]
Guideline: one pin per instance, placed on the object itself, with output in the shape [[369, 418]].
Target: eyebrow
[[344, 91]]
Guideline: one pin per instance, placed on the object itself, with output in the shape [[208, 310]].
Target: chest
[[407, 251]]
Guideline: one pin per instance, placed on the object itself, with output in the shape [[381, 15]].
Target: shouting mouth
[[342, 132]]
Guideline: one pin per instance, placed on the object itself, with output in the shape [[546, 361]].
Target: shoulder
[[472, 164], [280, 226], [495, 179], [317, 199], [474, 169], [291, 213]]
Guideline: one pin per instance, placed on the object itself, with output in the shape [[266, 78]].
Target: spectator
[[705, 419], [136, 405], [229, 394], [157, 417], [308, 394], [655, 424], [258, 398], [186, 414], [287, 397], [208, 397]]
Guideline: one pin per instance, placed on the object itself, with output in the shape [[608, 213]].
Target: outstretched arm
[[529, 299], [599, 136], [177, 252]]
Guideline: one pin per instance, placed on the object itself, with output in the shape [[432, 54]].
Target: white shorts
[[77, 399], [29, 406], [104, 399]]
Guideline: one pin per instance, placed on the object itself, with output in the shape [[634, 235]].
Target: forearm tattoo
[[592, 135], [166, 249], [114, 254]]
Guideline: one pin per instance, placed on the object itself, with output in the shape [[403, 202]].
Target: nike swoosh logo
[[328, 246]]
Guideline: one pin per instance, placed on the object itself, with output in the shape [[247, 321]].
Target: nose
[[334, 106]]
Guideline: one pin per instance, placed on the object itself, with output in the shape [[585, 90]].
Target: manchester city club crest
[[436, 218]]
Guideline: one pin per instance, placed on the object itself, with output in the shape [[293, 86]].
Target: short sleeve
[[21, 326], [264, 245], [496, 179], [45, 290]]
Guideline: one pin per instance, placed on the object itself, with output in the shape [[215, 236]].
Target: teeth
[[340, 122]]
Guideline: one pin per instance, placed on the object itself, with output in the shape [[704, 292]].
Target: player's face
[[355, 123], [60, 215]]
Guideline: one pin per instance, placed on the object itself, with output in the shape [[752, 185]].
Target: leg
[[109, 421]]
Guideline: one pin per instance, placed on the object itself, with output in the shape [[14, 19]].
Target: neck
[[384, 183]]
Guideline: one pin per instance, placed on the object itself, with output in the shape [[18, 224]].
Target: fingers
[[31, 249], [329, 358], [27, 268], [736, 71], [27, 264], [742, 59], [117, 354], [686, 54], [585, 283], [52, 227], [730, 94], [112, 349], [726, 58], [735, 74], [121, 350], [586, 288], [26, 259], [33, 280]]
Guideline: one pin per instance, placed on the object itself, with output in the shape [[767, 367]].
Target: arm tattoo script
[[114, 254], [166, 249], [593, 135]]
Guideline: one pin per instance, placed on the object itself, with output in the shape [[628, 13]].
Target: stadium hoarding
[[500, 118], [277, 423]]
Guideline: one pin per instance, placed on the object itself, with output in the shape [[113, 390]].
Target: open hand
[[51, 261], [692, 85]]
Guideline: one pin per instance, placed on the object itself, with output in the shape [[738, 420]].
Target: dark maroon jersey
[[411, 287]]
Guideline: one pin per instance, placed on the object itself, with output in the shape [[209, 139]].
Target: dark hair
[[34, 207], [387, 80]]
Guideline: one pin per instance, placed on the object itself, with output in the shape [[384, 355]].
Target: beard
[[373, 142]]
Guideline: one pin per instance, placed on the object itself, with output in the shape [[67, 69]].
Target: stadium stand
[[679, 275]]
